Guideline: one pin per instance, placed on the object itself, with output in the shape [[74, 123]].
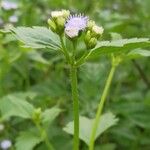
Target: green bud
[[37, 115], [97, 31], [90, 25], [66, 13], [52, 25], [87, 36], [60, 25], [56, 14], [92, 43]]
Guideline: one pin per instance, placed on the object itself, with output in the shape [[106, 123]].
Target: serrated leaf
[[121, 45], [107, 120], [27, 141], [16, 105], [37, 37], [49, 115]]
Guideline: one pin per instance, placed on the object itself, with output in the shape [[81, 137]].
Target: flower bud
[[57, 21], [37, 115], [60, 24], [66, 13], [52, 25], [90, 25], [97, 31], [63, 13], [92, 43], [87, 36], [56, 14]]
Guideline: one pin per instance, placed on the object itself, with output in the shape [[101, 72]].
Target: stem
[[83, 58], [100, 107], [73, 74], [74, 52], [64, 49], [44, 136]]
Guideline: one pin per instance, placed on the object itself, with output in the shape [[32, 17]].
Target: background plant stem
[[73, 74], [100, 107]]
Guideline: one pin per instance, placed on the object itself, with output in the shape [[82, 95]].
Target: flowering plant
[[85, 38]]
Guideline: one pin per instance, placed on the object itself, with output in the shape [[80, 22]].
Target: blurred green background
[[27, 70]]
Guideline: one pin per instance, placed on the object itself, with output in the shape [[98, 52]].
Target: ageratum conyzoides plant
[[85, 37]]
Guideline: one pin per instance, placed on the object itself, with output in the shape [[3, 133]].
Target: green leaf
[[16, 105], [116, 46], [27, 141], [37, 37], [107, 120], [115, 36], [138, 53], [49, 115], [37, 57]]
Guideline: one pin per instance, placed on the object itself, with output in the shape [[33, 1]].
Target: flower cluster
[[93, 33], [74, 25], [57, 21]]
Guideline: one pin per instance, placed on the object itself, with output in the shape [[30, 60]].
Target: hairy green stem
[[100, 107], [83, 58], [73, 75], [64, 49]]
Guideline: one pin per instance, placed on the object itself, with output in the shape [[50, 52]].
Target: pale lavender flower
[[13, 19], [75, 24], [8, 5], [6, 144]]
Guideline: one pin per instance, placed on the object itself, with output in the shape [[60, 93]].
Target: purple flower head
[[7, 5], [75, 24], [5, 144]]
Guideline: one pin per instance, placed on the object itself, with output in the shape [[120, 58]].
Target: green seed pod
[[52, 25]]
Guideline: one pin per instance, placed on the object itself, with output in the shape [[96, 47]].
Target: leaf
[[36, 56], [27, 141], [16, 105], [115, 36], [138, 53], [107, 120], [37, 37], [49, 115], [121, 45]]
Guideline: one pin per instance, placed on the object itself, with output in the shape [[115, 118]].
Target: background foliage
[[40, 77]]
